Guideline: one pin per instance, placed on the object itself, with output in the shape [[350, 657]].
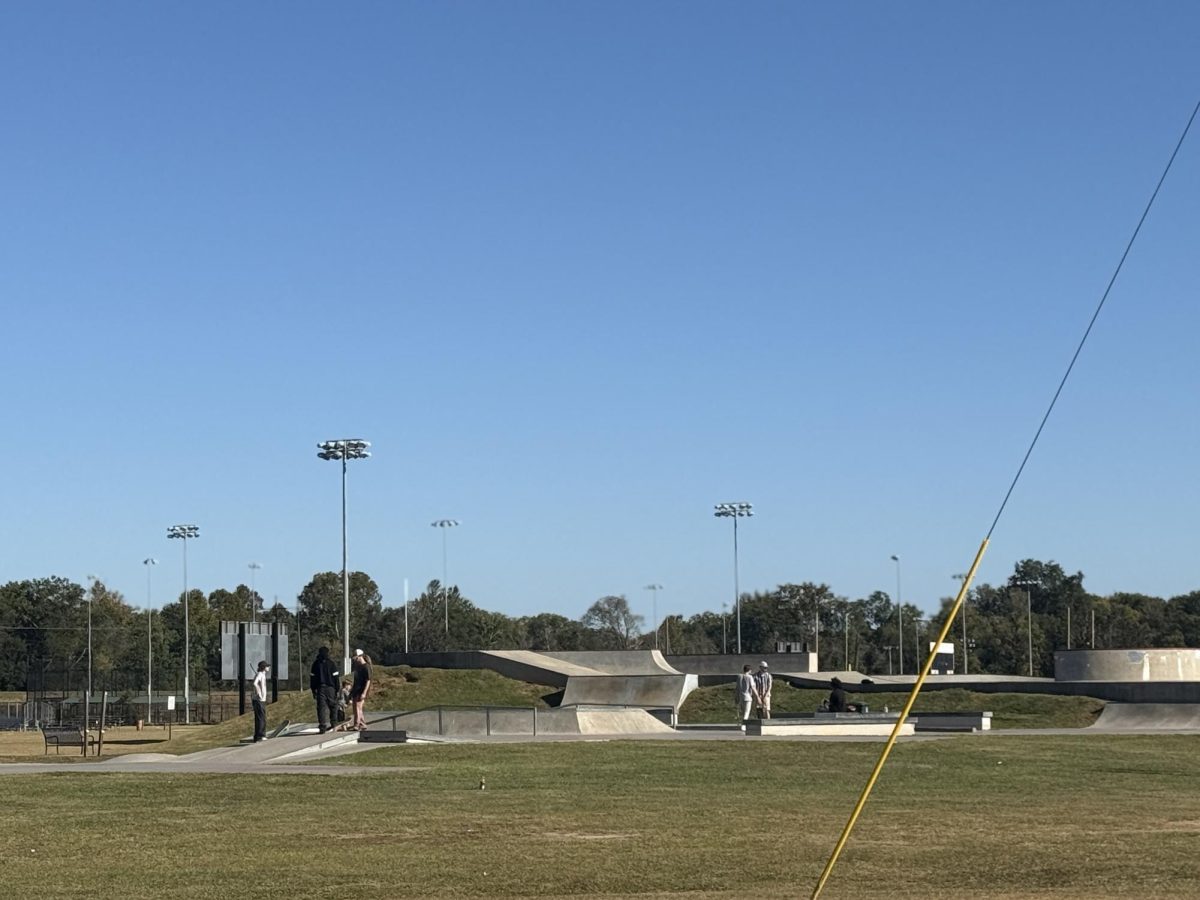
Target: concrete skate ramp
[[619, 721], [1149, 717], [1161, 664], [536, 668], [629, 690], [617, 662]]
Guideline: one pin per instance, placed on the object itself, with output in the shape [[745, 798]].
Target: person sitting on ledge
[[837, 698]]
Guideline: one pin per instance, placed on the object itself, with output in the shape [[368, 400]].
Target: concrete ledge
[[849, 725], [382, 736], [953, 721]]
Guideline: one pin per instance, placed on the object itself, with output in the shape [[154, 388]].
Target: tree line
[[1040, 607]]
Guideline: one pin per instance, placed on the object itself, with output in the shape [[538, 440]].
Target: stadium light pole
[[899, 615], [966, 655], [149, 562], [253, 567], [185, 533], [91, 599], [735, 511], [654, 589], [343, 450], [444, 525], [1029, 615]]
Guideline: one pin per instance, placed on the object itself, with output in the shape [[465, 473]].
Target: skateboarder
[[362, 687]]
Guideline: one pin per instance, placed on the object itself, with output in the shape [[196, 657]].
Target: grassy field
[[966, 817], [715, 704]]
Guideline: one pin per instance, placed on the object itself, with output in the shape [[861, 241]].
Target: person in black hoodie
[[837, 698], [323, 681]]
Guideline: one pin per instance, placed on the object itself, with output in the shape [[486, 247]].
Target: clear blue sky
[[580, 271]]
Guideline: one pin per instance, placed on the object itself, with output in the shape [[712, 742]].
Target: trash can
[[140, 723]]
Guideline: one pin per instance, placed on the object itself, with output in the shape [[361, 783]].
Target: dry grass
[[1086, 816]]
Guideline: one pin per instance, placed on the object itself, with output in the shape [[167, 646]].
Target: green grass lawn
[[1086, 816], [715, 704]]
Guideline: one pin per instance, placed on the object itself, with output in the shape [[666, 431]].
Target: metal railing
[[442, 709]]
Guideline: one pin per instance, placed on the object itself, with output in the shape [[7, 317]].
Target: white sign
[[171, 701]]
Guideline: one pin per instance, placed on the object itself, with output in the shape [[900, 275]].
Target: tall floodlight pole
[[724, 627], [817, 631], [149, 563], [343, 450], [184, 533], [735, 511], [899, 615], [91, 600], [445, 525], [654, 589], [1029, 615], [253, 567], [966, 655]]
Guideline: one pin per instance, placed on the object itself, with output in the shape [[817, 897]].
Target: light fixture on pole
[[445, 525], [966, 656], [654, 589], [899, 615], [149, 563], [91, 599], [253, 567], [1029, 615], [735, 511], [185, 533], [343, 450]]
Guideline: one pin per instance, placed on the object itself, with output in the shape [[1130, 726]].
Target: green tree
[[615, 624], [322, 609]]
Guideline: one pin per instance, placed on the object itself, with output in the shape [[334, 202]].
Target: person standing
[[323, 681], [260, 701], [763, 681], [362, 686], [746, 694]]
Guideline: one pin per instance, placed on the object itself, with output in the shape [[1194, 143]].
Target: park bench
[[70, 737]]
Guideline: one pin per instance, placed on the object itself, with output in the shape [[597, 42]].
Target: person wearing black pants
[[323, 681], [260, 701]]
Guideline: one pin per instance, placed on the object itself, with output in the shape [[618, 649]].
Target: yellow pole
[[891, 741]]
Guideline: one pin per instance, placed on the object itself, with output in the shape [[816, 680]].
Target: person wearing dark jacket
[[323, 681], [837, 697]]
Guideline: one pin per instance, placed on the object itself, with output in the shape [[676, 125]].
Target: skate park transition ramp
[[1149, 717], [595, 677]]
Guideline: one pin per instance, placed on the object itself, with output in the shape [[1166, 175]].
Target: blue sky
[[579, 272]]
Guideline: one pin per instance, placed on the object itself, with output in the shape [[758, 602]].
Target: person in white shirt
[[747, 693], [762, 681], [260, 701]]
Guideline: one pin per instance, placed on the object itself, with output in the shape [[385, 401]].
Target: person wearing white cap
[[361, 667], [762, 681]]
